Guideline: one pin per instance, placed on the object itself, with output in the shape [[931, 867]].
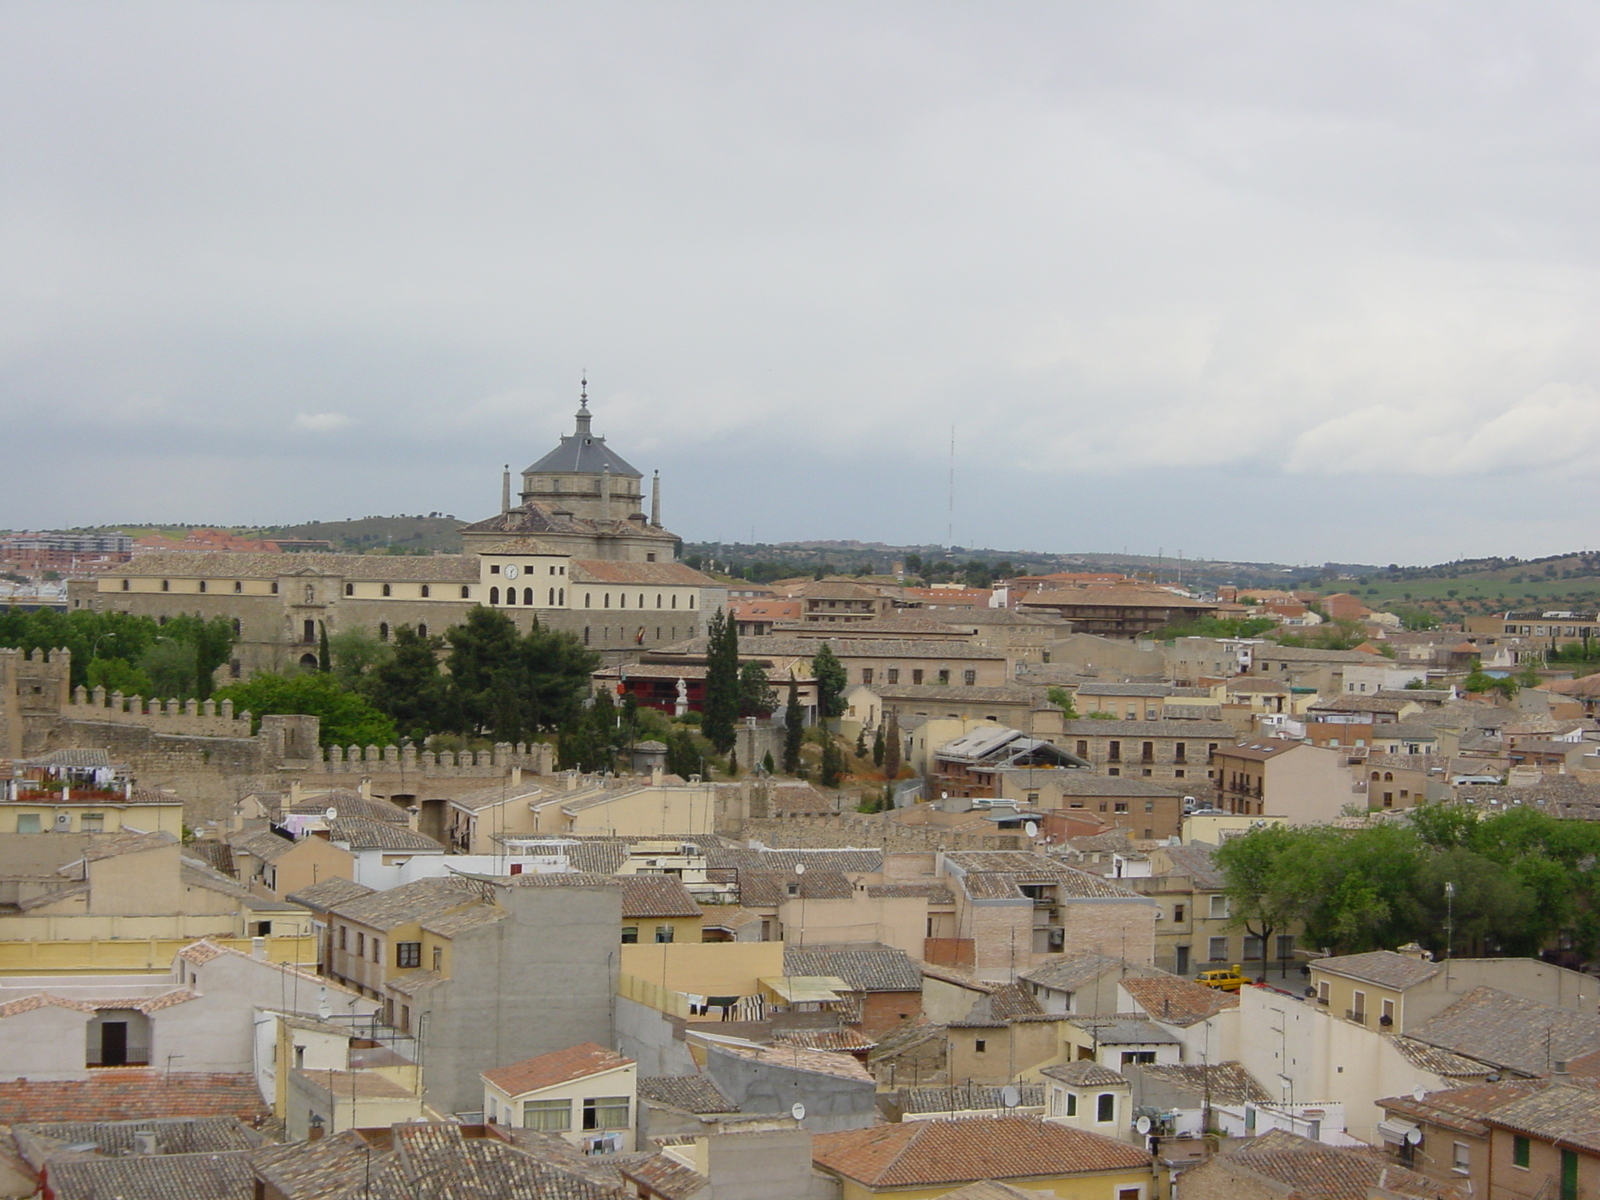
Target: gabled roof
[[688, 1093], [1462, 1108], [1070, 972], [1567, 1112], [929, 1153], [1085, 1072], [1001, 875], [380, 835], [1314, 1171], [1225, 1083], [126, 1094], [1508, 1031], [547, 1070], [875, 969], [327, 893], [1173, 1000], [969, 1097], [1384, 968], [656, 896], [207, 1176], [414, 901]]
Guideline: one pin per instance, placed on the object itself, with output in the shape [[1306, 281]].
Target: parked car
[[1230, 980]]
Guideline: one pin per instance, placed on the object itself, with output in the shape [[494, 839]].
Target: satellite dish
[[1143, 1125], [798, 1112], [1031, 829], [1414, 1137], [799, 868], [1010, 1096], [1419, 1092]]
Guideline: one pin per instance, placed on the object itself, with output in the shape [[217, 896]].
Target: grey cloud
[[282, 261]]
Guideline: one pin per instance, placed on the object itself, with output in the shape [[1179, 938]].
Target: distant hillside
[[434, 533], [1483, 585]]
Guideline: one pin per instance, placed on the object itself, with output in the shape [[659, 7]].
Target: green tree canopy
[[723, 692], [831, 679], [347, 718]]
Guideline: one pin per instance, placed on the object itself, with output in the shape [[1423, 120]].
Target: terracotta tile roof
[[488, 797], [768, 889], [1565, 1112], [690, 1093], [1194, 863], [1173, 1000], [110, 845], [456, 923], [15, 1008], [656, 896], [1314, 1171], [928, 1153], [826, 1039], [259, 843], [666, 1176], [412, 983], [853, 861], [1084, 1073], [1384, 968], [351, 805], [968, 1098], [414, 901], [127, 1094], [799, 1058], [1087, 783], [435, 568], [1069, 972], [547, 1070], [1229, 1082], [154, 1177], [328, 893], [594, 570], [1508, 1031], [875, 969], [216, 855], [1000, 874], [1443, 1063], [1462, 1108], [361, 834], [934, 893], [174, 1135]]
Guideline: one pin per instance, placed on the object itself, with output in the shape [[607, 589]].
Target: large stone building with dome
[[576, 551]]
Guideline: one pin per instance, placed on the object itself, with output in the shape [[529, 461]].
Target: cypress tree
[[831, 680], [324, 655], [891, 747], [794, 721], [722, 681], [878, 747]]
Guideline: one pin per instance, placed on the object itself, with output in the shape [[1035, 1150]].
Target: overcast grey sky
[[1279, 281]]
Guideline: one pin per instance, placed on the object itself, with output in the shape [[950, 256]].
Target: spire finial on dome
[[583, 404]]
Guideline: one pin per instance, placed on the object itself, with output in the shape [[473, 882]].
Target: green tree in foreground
[[1062, 699], [794, 728], [347, 719], [831, 679], [720, 707]]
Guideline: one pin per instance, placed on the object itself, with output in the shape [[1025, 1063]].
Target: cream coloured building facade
[[576, 555]]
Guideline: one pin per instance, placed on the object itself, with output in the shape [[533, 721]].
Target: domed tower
[[583, 499], [583, 476]]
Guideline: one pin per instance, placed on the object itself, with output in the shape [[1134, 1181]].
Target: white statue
[[682, 705]]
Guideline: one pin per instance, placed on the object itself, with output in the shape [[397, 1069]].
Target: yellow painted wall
[[132, 956], [704, 968], [684, 929], [646, 813], [146, 818]]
